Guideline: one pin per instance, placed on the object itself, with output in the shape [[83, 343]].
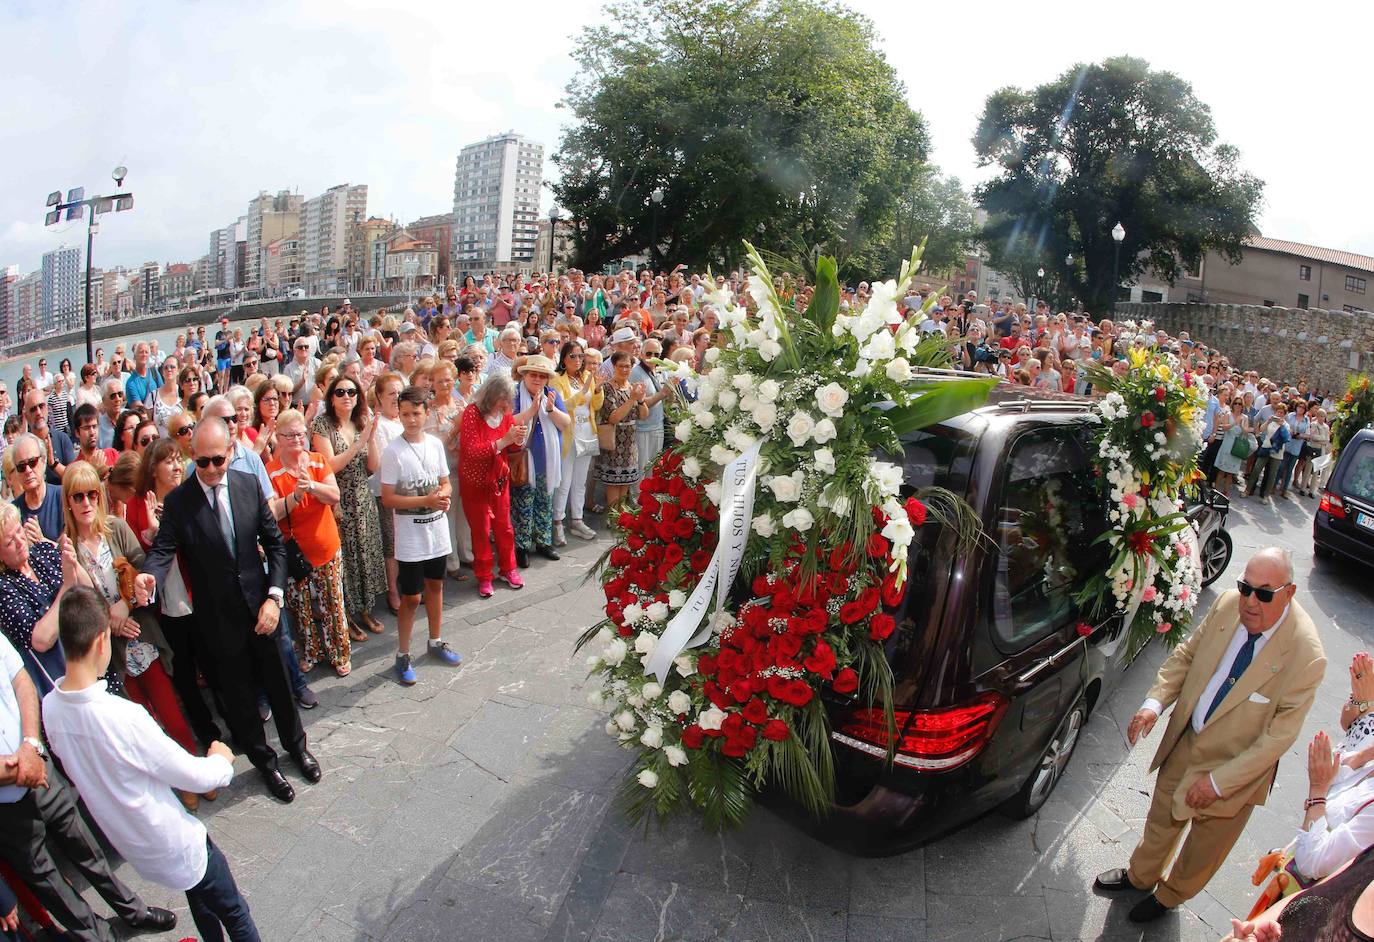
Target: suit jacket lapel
[[210, 516], [1207, 661], [1268, 662]]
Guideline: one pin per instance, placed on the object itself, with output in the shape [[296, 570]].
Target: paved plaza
[[477, 805]]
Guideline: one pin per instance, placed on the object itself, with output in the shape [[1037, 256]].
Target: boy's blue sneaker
[[443, 652], [404, 672]]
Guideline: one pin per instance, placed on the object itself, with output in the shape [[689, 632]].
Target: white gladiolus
[[899, 531], [824, 460], [764, 526], [676, 755], [861, 369], [769, 390], [644, 643], [831, 399], [880, 346], [657, 611], [898, 370], [648, 778], [652, 737], [798, 519], [863, 326], [615, 652], [625, 720], [769, 350], [677, 598], [799, 428], [679, 702], [841, 325], [823, 432], [886, 477], [711, 719]]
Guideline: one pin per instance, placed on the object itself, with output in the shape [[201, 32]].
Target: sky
[[207, 102]]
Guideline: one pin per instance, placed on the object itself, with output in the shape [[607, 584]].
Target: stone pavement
[[477, 805]]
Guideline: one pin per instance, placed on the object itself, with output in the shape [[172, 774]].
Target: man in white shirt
[[1240, 686], [37, 806], [125, 766]]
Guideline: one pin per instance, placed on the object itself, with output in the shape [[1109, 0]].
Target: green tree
[[1102, 144], [767, 120], [936, 208]]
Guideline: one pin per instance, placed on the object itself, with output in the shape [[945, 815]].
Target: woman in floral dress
[[342, 432], [622, 405]]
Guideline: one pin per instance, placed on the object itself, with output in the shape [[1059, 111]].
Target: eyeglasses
[[1264, 595], [216, 460], [85, 497], [292, 436], [23, 466], [341, 391], [146, 440], [37, 407], [185, 430]]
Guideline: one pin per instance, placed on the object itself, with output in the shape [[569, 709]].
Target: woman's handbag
[[519, 468], [1243, 446], [297, 565]]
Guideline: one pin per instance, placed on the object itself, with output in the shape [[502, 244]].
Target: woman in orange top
[[306, 495]]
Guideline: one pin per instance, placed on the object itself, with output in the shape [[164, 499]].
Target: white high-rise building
[[269, 218], [330, 223], [223, 270], [496, 204], [62, 298]]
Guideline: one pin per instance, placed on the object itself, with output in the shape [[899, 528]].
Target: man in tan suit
[[1240, 685]]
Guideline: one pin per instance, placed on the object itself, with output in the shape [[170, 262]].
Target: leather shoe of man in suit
[[156, 919], [1114, 881], [278, 785], [308, 766], [1148, 910]]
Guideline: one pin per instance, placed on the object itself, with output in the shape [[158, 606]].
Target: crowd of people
[[192, 532]]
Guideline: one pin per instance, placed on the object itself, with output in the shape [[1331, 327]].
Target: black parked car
[[1345, 518], [993, 682]]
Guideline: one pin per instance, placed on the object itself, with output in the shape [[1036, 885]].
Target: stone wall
[[1283, 344]]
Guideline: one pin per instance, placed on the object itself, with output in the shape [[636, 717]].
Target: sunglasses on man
[[216, 460], [24, 466], [1264, 595]]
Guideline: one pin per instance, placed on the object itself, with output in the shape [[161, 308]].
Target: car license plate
[[1365, 520]]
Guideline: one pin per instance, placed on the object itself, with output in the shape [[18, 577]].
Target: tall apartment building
[[62, 298], [223, 272], [269, 218], [281, 269], [331, 223], [496, 204], [149, 285], [112, 281], [7, 281], [24, 313]]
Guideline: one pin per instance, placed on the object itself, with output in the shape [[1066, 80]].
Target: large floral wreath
[[1149, 433], [731, 609], [1354, 412]]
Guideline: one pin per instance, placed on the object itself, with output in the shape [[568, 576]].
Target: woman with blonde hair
[[179, 429], [582, 396], [324, 376], [307, 493]]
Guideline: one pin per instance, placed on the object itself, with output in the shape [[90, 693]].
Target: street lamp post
[[1118, 236], [77, 204], [656, 197], [553, 233], [1040, 286]]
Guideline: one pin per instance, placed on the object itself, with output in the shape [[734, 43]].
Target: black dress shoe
[[1114, 881], [278, 785], [307, 699], [522, 558], [308, 766], [548, 552], [155, 919], [1148, 910]]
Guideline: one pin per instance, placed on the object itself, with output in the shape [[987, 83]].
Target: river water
[[13, 368]]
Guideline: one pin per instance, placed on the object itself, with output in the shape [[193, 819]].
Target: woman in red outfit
[[488, 432]]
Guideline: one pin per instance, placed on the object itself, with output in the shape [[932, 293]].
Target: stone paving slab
[[479, 804]]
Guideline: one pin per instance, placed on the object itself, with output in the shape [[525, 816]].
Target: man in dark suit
[[218, 519]]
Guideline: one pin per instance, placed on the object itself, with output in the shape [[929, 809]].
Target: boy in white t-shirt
[[415, 484]]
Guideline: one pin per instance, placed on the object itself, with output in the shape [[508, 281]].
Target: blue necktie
[[1238, 666]]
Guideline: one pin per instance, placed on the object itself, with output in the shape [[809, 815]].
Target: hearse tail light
[[928, 740], [1333, 505]]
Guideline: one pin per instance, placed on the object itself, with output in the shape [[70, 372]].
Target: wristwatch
[[1361, 705], [38, 746], [275, 595]]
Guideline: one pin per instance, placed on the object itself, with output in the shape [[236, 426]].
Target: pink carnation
[[1165, 627], [1183, 593], [1149, 594], [1130, 501]]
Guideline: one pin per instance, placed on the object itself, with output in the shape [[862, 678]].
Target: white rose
[[840, 327], [679, 702], [686, 665], [593, 663], [658, 612], [625, 720], [785, 487], [721, 455], [605, 635], [683, 430], [651, 691], [705, 419], [861, 369], [727, 399], [898, 370], [769, 390], [764, 526], [635, 700], [798, 519], [823, 432], [748, 402], [825, 460], [676, 755], [766, 415], [831, 399], [615, 652], [633, 613], [677, 598], [712, 354], [648, 778], [711, 719], [612, 729], [769, 350], [644, 642], [691, 467], [743, 382], [652, 737], [712, 489], [799, 428]]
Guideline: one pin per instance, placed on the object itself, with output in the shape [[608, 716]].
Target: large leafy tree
[[1107, 143], [771, 120], [935, 208]]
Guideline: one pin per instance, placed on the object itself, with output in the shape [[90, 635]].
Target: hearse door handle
[[1050, 661]]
